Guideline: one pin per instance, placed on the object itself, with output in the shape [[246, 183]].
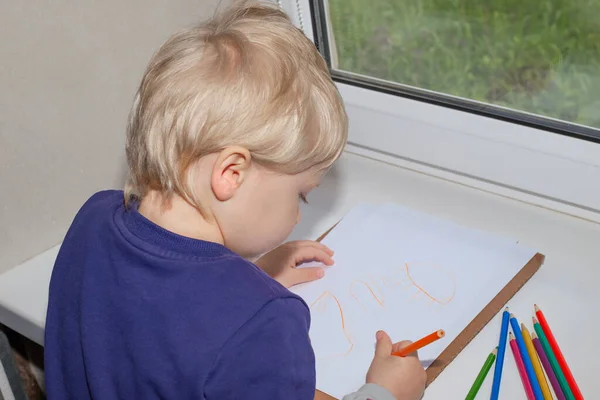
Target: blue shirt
[[138, 312]]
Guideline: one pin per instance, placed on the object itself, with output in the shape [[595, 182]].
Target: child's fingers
[[322, 246], [400, 345], [383, 346], [303, 275], [311, 253], [312, 243]]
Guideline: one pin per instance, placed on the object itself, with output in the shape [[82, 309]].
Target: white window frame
[[510, 159]]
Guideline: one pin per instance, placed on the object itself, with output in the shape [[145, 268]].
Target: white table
[[566, 286]]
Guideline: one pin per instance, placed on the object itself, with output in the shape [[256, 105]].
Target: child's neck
[[178, 216]]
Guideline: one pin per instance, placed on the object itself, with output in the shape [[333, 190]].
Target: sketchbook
[[409, 274]]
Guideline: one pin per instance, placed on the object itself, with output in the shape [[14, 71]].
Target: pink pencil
[[521, 367]]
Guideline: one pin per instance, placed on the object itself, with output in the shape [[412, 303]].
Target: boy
[[152, 296]]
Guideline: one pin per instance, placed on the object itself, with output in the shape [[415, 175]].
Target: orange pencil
[[411, 348]]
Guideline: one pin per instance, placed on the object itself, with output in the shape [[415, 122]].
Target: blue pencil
[[500, 356], [535, 385]]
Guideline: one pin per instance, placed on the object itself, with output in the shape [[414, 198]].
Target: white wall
[[68, 72]]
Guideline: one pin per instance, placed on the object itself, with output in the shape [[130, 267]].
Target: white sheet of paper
[[407, 273]]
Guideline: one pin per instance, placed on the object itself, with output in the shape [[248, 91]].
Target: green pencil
[[482, 374], [560, 376]]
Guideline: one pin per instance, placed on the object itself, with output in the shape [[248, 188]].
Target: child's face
[[264, 210]]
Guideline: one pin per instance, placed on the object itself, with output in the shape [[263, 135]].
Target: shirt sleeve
[[270, 357], [370, 391]]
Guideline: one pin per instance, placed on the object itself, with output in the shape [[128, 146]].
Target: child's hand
[[404, 377], [280, 263]]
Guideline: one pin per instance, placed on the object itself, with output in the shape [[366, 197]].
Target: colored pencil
[[558, 353], [522, 373], [547, 367], [411, 348], [553, 361], [535, 385], [487, 365], [537, 367], [500, 357]]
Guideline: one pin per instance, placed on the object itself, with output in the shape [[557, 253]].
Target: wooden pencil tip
[[512, 315], [523, 327], [533, 335], [534, 319], [506, 309], [495, 351], [441, 333], [511, 336], [536, 308]]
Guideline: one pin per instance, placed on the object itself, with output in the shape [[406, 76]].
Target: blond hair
[[245, 78]]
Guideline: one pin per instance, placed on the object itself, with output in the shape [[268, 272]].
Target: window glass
[[540, 57]]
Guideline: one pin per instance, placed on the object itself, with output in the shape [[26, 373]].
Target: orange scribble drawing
[[378, 287], [414, 296], [426, 283], [321, 307], [379, 299], [441, 295], [390, 281]]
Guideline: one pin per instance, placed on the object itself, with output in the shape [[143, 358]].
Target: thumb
[[303, 275], [383, 348]]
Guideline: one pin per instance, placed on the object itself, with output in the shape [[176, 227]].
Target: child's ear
[[229, 171]]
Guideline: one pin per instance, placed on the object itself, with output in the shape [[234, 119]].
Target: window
[[498, 94], [539, 57]]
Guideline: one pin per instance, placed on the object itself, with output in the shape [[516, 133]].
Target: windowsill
[[566, 283]]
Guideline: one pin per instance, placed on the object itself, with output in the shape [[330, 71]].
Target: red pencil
[[559, 355], [520, 366]]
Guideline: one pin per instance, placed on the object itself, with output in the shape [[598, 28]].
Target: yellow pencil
[[537, 366]]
